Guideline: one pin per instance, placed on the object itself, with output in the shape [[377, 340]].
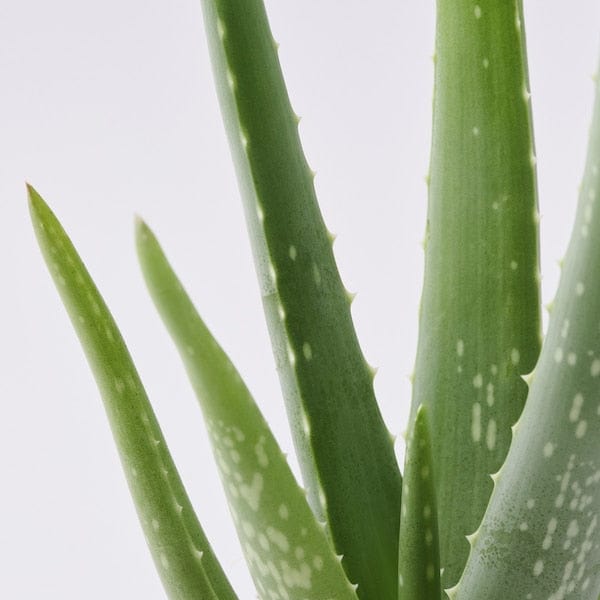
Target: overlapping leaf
[[479, 326], [286, 548], [344, 449], [540, 538], [419, 562]]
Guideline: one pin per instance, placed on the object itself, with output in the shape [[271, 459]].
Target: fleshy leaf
[[286, 548], [181, 552], [479, 326], [344, 449], [419, 562], [540, 538]]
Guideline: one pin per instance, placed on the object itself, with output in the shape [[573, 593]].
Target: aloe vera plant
[[483, 404]]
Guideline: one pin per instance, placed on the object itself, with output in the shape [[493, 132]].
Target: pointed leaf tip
[[143, 233], [138, 223], [34, 199]]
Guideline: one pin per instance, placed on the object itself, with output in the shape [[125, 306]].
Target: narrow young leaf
[[480, 314], [181, 552], [345, 451], [540, 538], [287, 551], [419, 555]]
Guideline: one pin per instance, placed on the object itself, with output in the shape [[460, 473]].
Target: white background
[[108, 108]]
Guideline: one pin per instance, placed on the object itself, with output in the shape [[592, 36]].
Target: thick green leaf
[[540, 538], [419, 562], [344, 448], [181, 552], [287, 550], [480, 313]]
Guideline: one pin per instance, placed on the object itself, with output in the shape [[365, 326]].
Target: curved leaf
[[286, 548], [181, 552]]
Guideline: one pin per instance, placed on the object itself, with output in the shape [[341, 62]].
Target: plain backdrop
[[108, 108]]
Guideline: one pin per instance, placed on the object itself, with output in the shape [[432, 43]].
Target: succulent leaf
[[287, 550], [419, 555], [479, 325], [344, 449], [540, 537], [181, 552]]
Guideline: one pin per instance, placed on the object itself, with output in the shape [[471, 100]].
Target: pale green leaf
[[286, 548], [181, 552], [540, 538]]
